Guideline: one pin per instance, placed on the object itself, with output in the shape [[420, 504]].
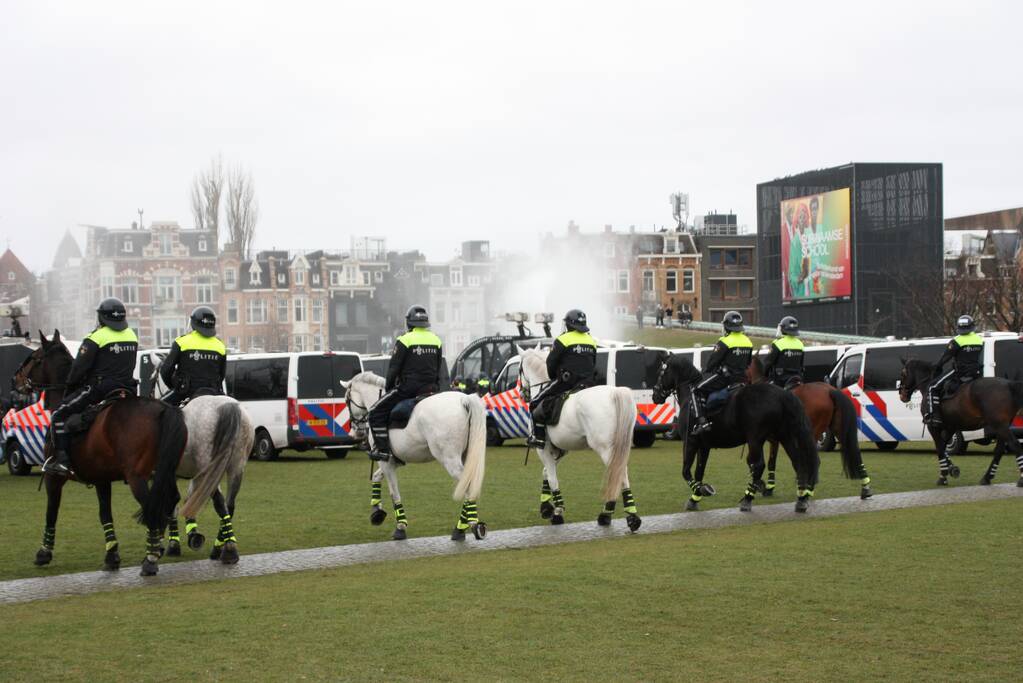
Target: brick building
[[729, 276], [16, 286], [667, 268]]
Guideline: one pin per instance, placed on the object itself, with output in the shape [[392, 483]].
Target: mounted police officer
[[197, 362], [571, 365], [105, 363], [414, 370], [726, 366], [784, 364], [966, 351]]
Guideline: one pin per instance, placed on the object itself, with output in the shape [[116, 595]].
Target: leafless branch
[[242, 209]]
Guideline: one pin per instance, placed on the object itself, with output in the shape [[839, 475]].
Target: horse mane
[[683, 368], [536, 361], [368, 377], [918, 364]]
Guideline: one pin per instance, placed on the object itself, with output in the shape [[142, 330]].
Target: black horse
[[754, 414], [988, 403]]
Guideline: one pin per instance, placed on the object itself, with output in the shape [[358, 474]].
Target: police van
[[376, 363], [295, 400], [869, 374], [634, 367]]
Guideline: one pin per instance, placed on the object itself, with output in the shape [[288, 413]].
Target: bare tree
[[242, 209], [207, 186], [931, 303], [1004, 301]]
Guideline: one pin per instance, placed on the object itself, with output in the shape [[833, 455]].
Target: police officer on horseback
[[197, 362], [414, 370], [966, 352], [726, 366], [784, 363], [571, 365], [104, 364]]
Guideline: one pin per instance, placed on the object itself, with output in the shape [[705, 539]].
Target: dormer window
[[300, 277], [281, 280], [166, 245], [671, 244], [11, 276], [316, 278], [127, 246], [255, 274], [335, 278], [202, 244]]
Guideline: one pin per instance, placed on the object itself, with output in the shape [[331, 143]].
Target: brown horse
[[829, 410], [128, 441]]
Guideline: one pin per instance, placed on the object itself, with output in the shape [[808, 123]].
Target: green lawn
[[909, 595], [308, 501]]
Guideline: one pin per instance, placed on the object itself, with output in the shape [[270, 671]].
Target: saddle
[[82, 422], [401, 413], [202, 391], [717, 400], [952, 386], [549, 410]]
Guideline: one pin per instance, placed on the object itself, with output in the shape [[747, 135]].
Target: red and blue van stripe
[[323, 420]]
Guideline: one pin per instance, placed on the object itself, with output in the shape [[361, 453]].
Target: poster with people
[[816, 261]]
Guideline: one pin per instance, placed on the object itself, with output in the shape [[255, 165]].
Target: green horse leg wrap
[[629, 501]]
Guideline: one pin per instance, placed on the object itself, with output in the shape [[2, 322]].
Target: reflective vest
[[969, 358], [115, 359], [200, 360], [789, 359], [417, 358], [574, 353], [740, 353]]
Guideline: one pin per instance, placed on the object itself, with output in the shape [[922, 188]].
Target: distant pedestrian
[[668, 311], [659, 316], [639, 317]]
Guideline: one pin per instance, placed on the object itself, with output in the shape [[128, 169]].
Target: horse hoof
[[174, 549], [802, 503], [112, 561], [43, 557], [196, 540], [399, 534], [377, 517], [1019, 484], [866, 492], [746, 504], [604, 519], [457, 534], [557, 519], [479, 530], [546, 510], [759, 486], [707, 490], [216, 551], [942, 481], [634, 522], [768, 492], [954, 471], [692, 505], [985, 480], [229, 554], [149, 566]]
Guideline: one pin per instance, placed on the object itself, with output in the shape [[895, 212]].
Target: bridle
[[22, 375], [360, 423]]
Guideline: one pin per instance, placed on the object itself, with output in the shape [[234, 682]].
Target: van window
[[850, 371], [601, 372], [258, 379], [884, 365], [818, 363], [314, 377], [376, 365], [637, 368], [344, 368], [507, 378], [1009, 359]]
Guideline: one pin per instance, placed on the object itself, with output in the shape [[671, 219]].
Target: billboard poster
[[816, 249]]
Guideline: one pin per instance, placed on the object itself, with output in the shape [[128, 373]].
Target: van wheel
[[643, 439], [16, 463], [335, 453], [887, 445], [263, 449], [826, 442], [493, 435]]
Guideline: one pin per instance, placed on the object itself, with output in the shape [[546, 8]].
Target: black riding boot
[[933, 416], [696, 409], [60, 462], [381, 445], [539, 437]]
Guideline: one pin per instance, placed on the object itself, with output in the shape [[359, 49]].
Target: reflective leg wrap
[[628, 501], [944, 463], [805, 492], [770, 480], [557, 500], [191, 526], [172, 529], [153, 543], [545, 491], [1019, 462], [609, 506], [864, 477], [993, 469], [108, 533], [374, 494], [226, 533], [49, 536], [469, 515], [694, 486], [399, 515]]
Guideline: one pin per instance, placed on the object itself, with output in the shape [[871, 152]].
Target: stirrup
[[536, 443], [379, 456], [701, 427], [51, 466]]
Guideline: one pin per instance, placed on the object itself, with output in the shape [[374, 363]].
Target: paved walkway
[[26, 590]]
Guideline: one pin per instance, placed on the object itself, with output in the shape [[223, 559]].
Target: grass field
[[909, 595], [308, 501]]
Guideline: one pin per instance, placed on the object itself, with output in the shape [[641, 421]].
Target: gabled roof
[[67, 249], [9, 263]]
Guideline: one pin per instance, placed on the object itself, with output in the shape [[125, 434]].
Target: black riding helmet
[[733, 322], [965, 324], [789, 325], [576, 320], [417, 317], [204, 321], [111, 313]]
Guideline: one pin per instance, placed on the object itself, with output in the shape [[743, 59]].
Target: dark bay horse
[[988, 403], [829, 410], [754, 414], [131, 440]]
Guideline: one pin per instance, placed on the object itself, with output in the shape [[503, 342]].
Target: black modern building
[[896, 239]]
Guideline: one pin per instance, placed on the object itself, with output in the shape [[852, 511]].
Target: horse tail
[[163, 494], [847, 434], [471, 482], [226, 433], [796, 423], [621, 442]]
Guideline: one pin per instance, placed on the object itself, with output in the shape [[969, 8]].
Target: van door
[[318, 398], [343, 367], [505, 406], [638, 369]]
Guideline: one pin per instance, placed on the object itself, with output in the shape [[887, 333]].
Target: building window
[[256, 343], [167, 330], [335, 278], [300, 342], [474, 280], [202, 244], [456, 276], [204, 289], [688, 280], [317, 311], [281, 280], [671, 244], [257, 311], [317, 341], [611, 280], [300, 310], [282, 310], [365, 277], [316, 279], [623, 281], [106, 285], [232, 311], [671, 281], [724, 259], [232, 343], [439, 311], [456, 312], [255, 275], [648, 281], [230, 278], [127, 246], [130, 290], [609, 249], [378, 276], [351, 275], [731, 289], [300, 277], [436, 280], [166, 245], [168, 289]]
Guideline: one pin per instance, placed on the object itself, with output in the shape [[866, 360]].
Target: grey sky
[[430, 123]]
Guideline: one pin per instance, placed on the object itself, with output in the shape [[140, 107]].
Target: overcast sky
[[434, 122]]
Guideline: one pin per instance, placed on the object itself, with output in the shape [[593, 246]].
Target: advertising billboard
[[816, 248]]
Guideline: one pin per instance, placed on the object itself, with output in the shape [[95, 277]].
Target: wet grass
[[306, 501], [907, 595]]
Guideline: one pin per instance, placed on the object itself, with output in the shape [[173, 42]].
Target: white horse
[[601, 418], [220, 436], [450, 427]]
